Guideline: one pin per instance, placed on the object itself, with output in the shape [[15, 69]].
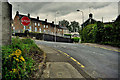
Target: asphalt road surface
[[98, 62]]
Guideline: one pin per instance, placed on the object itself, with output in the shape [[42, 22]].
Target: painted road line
[[63, 52], [107, 49], [77, 62], [66, 54], [72, 59]]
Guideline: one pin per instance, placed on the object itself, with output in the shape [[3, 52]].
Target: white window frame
[[38, 24], [24, 27], [40, 30], [30, 28], [35, 29], [44, 30], [44, 26], [35, 24]]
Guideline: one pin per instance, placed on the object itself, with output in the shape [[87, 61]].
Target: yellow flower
[[14, 70], [17, 53], [17, 59], [10, 71], [22, 58]]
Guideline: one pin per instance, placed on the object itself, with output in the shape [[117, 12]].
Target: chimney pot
[[90, 15], [53, 22], [38, 17], [28, 15], [45, 20], [17, 13]]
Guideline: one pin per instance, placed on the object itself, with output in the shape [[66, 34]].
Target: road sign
[[25, 20]]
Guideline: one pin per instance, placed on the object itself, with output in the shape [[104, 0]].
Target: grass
[[19, 60]]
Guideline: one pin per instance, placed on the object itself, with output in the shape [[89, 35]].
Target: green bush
[[108, 34], [76, 39], [16, 62], [68, 34]]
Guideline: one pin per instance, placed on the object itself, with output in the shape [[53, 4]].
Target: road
[[98, 62]]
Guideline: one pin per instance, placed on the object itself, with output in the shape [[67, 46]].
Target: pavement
[[88, 60], [58, 66]]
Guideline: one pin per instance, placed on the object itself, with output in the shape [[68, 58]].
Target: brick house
[[89, 21], [36, 25]]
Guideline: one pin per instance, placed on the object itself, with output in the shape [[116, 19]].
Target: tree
[[74, 25], [64, 23]]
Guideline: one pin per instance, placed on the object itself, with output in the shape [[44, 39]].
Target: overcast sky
[[67, 10]]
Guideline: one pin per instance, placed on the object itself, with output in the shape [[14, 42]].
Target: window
[[38, 24], [35, 24], [13, 27], [35, 29], [40, 30], [58, 29], [24, 27], [30, 28], [44, 30], [44, 26]]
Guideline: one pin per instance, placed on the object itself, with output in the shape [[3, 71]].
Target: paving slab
[[60, 70], [57, 65]]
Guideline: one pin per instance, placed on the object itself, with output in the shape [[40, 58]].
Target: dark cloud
[[52, 7], [67, 10]]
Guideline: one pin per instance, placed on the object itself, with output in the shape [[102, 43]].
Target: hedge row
[[101, 33]]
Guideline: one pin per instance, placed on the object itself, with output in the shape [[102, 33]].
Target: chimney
[[45, 20], [90, 15], [52, 22], [17, 13], [28, 15], [37, 17]]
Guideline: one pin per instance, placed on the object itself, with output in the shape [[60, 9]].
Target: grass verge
[[20, 59]]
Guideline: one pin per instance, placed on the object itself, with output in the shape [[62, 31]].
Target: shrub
[[76, 39]]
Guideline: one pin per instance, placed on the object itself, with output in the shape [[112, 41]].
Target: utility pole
[[102, 19], [18, 7], [55, 25]]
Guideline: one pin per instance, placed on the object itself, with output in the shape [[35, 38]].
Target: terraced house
[[36, 26]]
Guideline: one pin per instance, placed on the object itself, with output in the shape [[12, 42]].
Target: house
[[65, 29], [36, 26], [89, 21], [118, 18]]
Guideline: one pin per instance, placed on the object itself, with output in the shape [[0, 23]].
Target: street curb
[[40, 68], [102, 47]]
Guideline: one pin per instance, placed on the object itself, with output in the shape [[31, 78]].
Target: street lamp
[[82, 16], [55, 25]]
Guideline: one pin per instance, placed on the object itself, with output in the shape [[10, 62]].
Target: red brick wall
[[18, 26]]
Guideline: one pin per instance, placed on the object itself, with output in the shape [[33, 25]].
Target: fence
[[45, 37]]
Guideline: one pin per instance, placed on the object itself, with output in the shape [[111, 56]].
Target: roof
[[65, 28], [118, 19], [37, 20], [32, 19], [88, 22]]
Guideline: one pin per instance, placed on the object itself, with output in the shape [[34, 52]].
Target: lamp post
[[55, 25], [82, 16]]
